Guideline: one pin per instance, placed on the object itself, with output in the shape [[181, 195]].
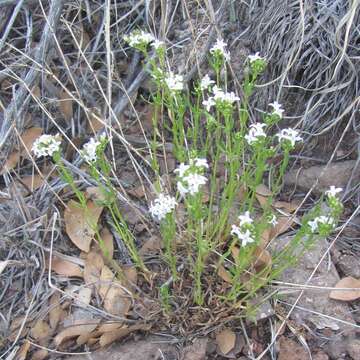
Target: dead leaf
[[94, 121], [108, 242], [290, 349], [75, 331], [224, 274], [92, 270], [130, 274], [80, 223], [196, 351], [40, 354], [346, 295], [109, 337], [115, 299], [283, 224], [65, 267], [3, 265], [24, 349], [226, 340], [110, 326], [28, 138], [83, 297], [56, 312], [10, 162], [32, 182], [262, 259], [288, 206], [65, 105], [263, 190], [40, 331], [94, 193], [152, 245]]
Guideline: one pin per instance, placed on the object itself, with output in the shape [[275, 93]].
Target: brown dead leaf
[[108, 242], [92, 270], [265, 238], [226, 340], [24, 349], [65, 105], [151, 246], [80, 223], [109, 337], [130, 274], [196, 351], [94, 193], [40, 331], [346, 295], [56, 313], [110, 326], [263, 190], [75, 331], [262, 259], [65, 267], [290, 349], [224, 274], [115, 299], [40, 354], [84, 296], [287, 206], [94, 124], [28, 138], [235, 250], [32, 182], [10, 162], [3, 265], [283, 224]]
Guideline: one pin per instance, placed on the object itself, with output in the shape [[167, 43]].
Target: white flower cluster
[[243, 231], [333, 191], [321, 220], [220, 49], [227, 98], [272, 220], [206, 82], [290, 135], [46, 145], [174, 82], [163, 205], [255, 57], [277, 109], [256, 132], [139, 38], [89, 150], [190, 176]]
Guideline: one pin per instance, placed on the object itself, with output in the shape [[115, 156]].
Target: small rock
[[195, 351], [337, 174], [353, 348], [349, 264]]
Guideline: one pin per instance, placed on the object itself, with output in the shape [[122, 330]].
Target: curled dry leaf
[[263, 190], [65, 267], [94, 193], [10, 162], [93, 266], [224, 274], [75, 331], [56, 313], [40, 331], [226, 340], [80, 223], [40, 354], [108, 241], [283, 224], [28, 138], [32, 182], [116, 300], [24, 349], [346, 295], [287, 206], [262, 259]]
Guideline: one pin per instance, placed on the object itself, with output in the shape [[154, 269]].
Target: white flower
[[162, 206], [182, 169], [333, 191], [209, 103], [228, 97], [194, 181], [256, 131], [289, 135], [245, 218], [206, 82], [89, 150], [138, 38], [46, 145], [278, 110], [174, 82], [183, 190], [245, 237], [255, 57], [220, 48], [272, 220], [157, 44], [323, 219], [199, 162]]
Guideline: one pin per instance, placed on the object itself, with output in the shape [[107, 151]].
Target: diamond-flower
[[245, 219], [245, 237], [333, 191], [89, 150], [321, 220], [220, 95], [162, 206], [206, 82], [193, 182], [209, 103], [277, 109], [255, 133], [139, 38], [46, 145], [220, 48], [272, 220], [255, 57], [289, 134], [157, 44], [174, 82]]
